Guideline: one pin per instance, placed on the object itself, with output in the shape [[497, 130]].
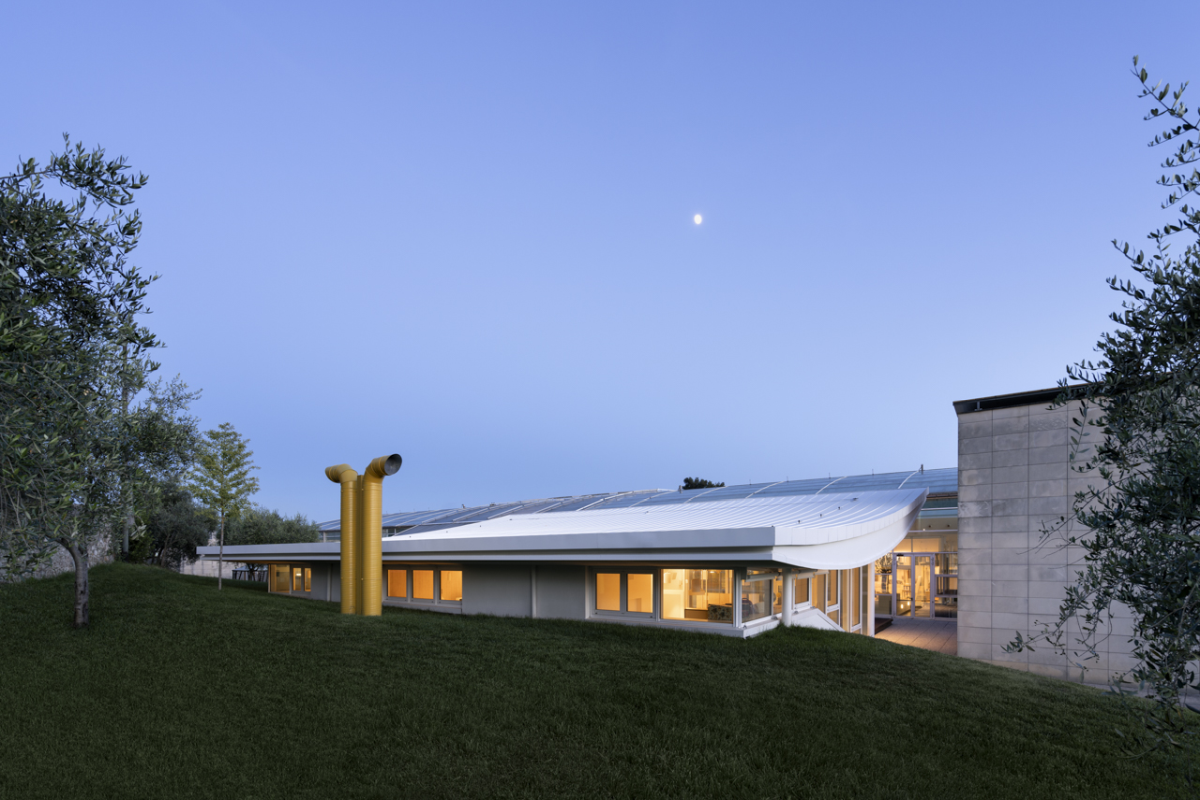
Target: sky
[[463, 232]]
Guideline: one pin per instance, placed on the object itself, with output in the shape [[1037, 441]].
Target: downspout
[[348, 479], [371, 532]]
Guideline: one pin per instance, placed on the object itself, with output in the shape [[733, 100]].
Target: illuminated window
[[640, 597], [832, 587], [818, 591], [452, 585], [397, 583], [280, 578], [608, 591], [702, 595], [297, 579], [422, 584], [629, 592], [802, 587], [777, 590], [307, 579]]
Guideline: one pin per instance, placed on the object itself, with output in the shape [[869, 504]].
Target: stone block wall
[[1014, 480]]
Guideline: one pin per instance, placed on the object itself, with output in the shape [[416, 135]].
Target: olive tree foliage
[[1138, 430], [70, 344]]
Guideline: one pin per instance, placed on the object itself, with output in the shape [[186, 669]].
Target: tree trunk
[[221, 557], [127, 501], [80, 557]]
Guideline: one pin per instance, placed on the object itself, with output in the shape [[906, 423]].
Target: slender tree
[[222, 481]]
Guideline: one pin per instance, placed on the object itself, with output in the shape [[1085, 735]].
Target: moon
[[697, 219]]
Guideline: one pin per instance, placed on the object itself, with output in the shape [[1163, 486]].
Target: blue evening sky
[[463, 232]]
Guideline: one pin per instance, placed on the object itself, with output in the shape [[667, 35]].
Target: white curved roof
[[825, 531]]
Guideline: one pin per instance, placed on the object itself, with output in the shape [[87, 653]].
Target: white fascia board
[[308, 551], [609, 542]]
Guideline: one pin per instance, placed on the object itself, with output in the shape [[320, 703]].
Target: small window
[[756, 599], [833, 585], [640, 598], [422, 584], [802, 587], [308, 579], [608, 591], [628, 592], [297, 579], [397, 583], [452, 585], [777, 590]]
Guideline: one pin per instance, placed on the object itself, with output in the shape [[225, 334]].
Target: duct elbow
[[383, 466], [341, 473]]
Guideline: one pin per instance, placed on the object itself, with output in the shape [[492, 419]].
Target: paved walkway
[[929, 634]]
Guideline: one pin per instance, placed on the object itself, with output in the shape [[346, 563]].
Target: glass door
[[922, 589], [903, 581]]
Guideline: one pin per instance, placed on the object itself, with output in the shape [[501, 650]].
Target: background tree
[[700, 483], [173, 529], [161, 444], [221, 480], [1139, 430], [258, 525], [69, 305]]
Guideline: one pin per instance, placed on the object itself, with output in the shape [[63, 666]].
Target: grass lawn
[[178, 691]]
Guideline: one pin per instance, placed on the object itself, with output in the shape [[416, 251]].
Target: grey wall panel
[[499, 589], [561, 592], [335, 579]]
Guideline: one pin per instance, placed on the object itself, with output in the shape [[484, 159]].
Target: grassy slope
[[178, 691]]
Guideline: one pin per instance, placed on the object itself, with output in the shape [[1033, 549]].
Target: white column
[[789, 597], [871, 598]]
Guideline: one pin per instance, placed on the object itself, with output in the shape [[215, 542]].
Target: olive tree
[[1137, 435], [70, 343]]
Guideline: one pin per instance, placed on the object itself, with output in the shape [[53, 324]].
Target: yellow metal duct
[[371, 527], [351, 551]]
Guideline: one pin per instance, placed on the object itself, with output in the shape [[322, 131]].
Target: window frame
[[655, 612], [768, 576], [409, 600], [734, 590]]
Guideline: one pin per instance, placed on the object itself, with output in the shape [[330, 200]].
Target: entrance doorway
[[920, 585]]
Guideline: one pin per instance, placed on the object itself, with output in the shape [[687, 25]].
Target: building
[[734, 560], [834, 553]]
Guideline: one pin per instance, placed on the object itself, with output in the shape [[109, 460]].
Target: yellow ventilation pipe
[[371, 531], [351, 551]]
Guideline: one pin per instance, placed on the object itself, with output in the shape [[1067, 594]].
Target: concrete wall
[[561, 592], [500, 589], [546, 591], [1014, 479]]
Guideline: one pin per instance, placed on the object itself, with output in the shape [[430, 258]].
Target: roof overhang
[[826, 531]]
